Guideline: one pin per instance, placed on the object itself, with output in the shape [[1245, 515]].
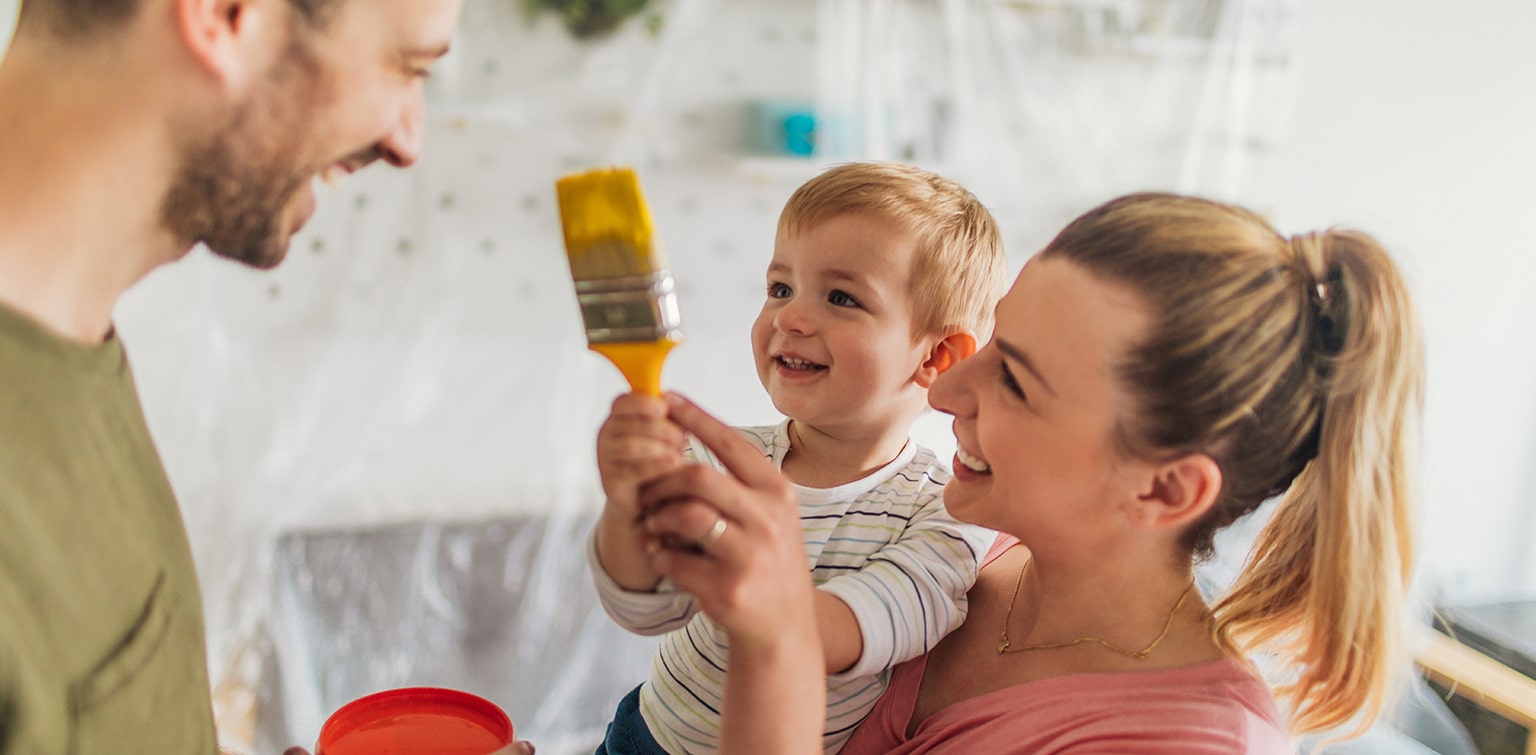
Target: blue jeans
[[627, 732]]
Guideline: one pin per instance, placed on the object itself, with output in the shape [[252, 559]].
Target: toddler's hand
[[637, 444]]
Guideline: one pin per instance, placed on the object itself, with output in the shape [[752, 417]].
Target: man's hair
[[78, 19], [959, 271]]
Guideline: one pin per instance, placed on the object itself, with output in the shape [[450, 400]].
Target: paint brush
[[628, 297]]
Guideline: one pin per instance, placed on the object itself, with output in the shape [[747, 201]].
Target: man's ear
[[946, 353], [1179, 492], [225, 36]]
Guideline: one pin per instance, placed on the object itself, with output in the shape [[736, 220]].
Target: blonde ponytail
[[1325, 584], [1297, 366]]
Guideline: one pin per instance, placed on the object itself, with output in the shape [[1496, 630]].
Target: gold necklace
[[1003, 646]]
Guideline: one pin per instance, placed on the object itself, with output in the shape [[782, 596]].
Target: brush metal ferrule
[[630, 309]]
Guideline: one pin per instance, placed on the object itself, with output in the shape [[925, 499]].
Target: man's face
[[337, 98]]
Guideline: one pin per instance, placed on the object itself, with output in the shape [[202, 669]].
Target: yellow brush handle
[[640, 363]]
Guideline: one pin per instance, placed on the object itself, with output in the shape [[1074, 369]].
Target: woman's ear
[[1179, 492], [224, 36], [946, 353]]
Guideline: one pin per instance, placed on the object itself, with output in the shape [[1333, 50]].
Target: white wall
[[8, 10], [1415, 120]]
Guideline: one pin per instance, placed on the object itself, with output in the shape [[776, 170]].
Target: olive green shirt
[[101, 622]]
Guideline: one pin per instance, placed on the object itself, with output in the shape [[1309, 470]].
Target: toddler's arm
[[648, 613], [636, 444], [910, 593], [841, 641]]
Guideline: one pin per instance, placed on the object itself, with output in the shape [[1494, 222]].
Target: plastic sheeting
[[1047, 108], [501, 607]]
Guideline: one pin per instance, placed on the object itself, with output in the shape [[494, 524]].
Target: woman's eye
[[778, 291], [1010, 382], [842, 299]]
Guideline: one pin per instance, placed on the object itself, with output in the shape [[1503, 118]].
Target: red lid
[[416, 721]]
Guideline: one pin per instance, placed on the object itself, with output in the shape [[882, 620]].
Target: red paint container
[[416, 721]]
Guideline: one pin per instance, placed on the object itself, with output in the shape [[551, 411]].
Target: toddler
[[883, 276]]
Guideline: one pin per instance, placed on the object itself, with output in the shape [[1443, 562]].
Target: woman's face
[[1035, 411]]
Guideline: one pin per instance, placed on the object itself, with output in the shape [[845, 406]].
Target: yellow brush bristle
[[607, 225], [628, 298]]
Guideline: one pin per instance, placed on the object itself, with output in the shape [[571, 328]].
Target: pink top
[[1217, 707]]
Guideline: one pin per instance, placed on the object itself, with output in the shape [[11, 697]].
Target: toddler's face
[[833, 343]]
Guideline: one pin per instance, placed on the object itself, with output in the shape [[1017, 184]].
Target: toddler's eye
[[778, 291], [842, 299]]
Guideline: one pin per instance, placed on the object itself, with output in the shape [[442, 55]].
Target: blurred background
[[383, 449]]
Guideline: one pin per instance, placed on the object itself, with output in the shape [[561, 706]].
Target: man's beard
[[230, 193]]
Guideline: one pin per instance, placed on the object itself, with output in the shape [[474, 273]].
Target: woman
[[1164, 366]]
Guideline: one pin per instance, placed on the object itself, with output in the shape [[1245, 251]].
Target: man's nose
[[401, 147]]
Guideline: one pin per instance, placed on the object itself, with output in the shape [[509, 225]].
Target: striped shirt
[[883, 544]]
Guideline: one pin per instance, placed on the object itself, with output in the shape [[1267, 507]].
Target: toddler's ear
[[947, 352]]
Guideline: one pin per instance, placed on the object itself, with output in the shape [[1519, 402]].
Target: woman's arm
[[775, 694], [751, 579]]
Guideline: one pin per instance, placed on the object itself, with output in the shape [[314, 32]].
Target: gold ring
[[713, 536]]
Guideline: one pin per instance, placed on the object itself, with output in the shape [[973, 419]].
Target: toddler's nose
[[794, 317]]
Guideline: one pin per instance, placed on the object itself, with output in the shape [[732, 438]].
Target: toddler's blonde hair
[[959, 271]]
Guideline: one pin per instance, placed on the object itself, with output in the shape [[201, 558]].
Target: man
[[130, 131]]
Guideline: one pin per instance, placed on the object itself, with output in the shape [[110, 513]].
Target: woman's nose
[[953, 392]]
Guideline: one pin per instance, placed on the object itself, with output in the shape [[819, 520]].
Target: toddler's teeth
[[798, 364]]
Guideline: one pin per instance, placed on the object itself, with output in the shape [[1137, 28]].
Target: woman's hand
[[734, 542], [749, 574]]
